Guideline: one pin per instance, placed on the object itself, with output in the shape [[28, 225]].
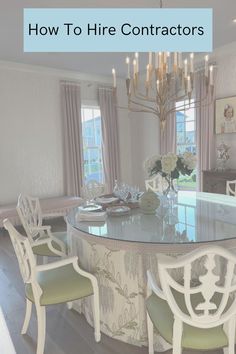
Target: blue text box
[[117, 30]]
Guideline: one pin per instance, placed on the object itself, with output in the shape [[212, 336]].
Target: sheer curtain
[[72, 137], [204, 127], [110, 139]]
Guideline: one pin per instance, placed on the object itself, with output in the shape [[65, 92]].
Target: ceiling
[[11, 32]]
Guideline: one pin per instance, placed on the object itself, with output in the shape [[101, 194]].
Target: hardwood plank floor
[[67, 331]]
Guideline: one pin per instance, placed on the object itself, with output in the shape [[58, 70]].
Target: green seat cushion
[[192, 337], [43, 250], [60, 285]]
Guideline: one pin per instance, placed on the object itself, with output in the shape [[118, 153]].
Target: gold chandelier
[[168, 79]]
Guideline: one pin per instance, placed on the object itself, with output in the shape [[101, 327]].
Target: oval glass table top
[[192, 217]]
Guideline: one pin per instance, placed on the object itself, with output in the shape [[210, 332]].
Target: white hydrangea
[[150, 162], [189, 160], [168, 163]]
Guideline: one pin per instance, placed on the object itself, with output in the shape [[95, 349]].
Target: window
[[186, 141], [92, 144]]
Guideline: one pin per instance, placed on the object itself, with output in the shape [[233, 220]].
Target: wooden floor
[[67, 331]]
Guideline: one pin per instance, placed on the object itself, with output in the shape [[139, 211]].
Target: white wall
[[30, 144], [125, 133], [31, 136]]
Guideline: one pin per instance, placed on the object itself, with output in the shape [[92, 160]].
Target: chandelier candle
[[167, 81]]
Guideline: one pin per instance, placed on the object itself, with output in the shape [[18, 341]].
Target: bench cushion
[[55, 206]]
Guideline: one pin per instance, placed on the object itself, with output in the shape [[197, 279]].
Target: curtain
[[204, 127], [72, 137], [110, 139], [168, 135]]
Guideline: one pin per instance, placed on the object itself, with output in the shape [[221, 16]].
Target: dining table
[[120, 249]]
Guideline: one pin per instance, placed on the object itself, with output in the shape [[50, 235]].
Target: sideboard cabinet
[[215, 181]]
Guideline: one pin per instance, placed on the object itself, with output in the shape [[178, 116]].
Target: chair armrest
[[41, 241], [41, 228], [46, 236], [51, 215], [57, 264], [74, 262], [152, 285]]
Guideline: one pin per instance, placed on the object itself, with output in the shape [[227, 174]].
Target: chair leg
[[150, 335], [96, 316], [230, 329], [177, 336], [41, 319], [27, 316]]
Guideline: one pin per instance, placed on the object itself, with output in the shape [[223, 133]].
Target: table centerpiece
[[170, 167]]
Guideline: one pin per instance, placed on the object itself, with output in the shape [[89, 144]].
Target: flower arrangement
[[171, 166]]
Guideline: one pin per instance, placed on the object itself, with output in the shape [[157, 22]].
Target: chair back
[[30, 214], [23, 251], [229, 189], [156, 184], [93, 189], [202, 295]]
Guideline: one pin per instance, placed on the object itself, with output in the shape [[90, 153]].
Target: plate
[[91, 207], [118, 210], [107, 200]]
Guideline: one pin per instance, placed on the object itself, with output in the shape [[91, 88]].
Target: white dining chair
[[156, 184], [49, 284], [197, 309], [92, 190], [231, 188], [44, 242]]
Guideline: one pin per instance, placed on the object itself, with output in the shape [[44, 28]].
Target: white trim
[[90, 104], [62, 74]]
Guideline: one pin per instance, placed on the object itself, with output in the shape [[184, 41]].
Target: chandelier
[[169, 79]]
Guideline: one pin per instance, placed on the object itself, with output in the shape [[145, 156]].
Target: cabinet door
[[214, 184]]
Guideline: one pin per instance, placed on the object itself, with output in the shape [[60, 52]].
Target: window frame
[[184, 122], [92, 106]]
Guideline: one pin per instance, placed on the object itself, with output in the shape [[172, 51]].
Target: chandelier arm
[[178, 97], [142, 105], [194, 105], [135, 110], [140, 110]]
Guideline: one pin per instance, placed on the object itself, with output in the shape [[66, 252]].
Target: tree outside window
[[186, 141]]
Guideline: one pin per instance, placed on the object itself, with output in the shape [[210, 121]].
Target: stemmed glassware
[[125, 192]]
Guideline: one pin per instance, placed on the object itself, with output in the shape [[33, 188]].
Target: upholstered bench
[[51, 207]]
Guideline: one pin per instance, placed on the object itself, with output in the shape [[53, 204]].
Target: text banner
[[117, 30]]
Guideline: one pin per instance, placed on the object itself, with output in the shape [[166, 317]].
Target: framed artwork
[[225, 115]]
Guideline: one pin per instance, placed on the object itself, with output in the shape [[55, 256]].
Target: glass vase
[[170, 192]]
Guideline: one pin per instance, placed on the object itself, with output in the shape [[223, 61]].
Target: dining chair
[[92, 190], [44, 242], [195, 305], [229, 190], [156, 184], [50, 284]]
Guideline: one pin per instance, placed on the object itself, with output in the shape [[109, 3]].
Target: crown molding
[[61, 74]]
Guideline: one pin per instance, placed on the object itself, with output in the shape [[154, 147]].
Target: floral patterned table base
[[122, 282]]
